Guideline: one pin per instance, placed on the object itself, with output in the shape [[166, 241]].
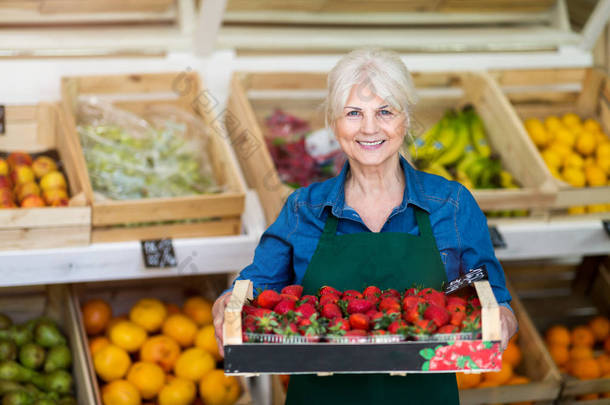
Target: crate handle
[[231, 328], [490, 311]]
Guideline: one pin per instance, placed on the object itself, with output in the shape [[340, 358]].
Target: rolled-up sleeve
[[475, 245], [272, 267]]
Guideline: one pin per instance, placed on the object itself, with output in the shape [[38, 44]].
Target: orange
[[172, 308], [96, 315], [120, 392], [193, 364], [217, 389], [127, 335], [149, 313], [600, 326], [586, 143], [574, 177], [570, 119], [581, 352], [587, 397], [512, 355], [199, 310], [596, 176], [467, 380], [111, 363], [558, 334], [97, 343], [178, 391], [148, 378], [592, 125], [487, 383], [604, 364], [162, 350], [518, 379], [499, 377], [582, 336], [181, 328], [206, 339], [559, 353], [553, 123], [114, 321], [586, 369]]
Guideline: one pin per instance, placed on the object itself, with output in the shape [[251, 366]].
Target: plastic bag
[[160, 154]]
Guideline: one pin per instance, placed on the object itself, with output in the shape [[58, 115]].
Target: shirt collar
[[412, 194]]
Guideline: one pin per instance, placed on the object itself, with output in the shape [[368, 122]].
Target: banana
[[458, 145], [439, 170], [415, 148], [475, 170], [463, 178], [477, 134], [506, 180], [491, 171]]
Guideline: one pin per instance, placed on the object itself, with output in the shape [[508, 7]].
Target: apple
[[32, 201], [61, 202], [53, 195], [5, 182], [53, 180], [6, 197], [4, 169], [43, 165], [19, 158], [26, 189], [22, 174]]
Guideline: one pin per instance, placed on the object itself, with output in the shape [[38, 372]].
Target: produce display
[[35, 363], [158, 353], [576, 151], [300, 155], [129, 157], [582, 352], [28, 182]]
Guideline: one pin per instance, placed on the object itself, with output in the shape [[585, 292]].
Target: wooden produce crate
[[38, 129], [122, 295], [136, 93], [540, 93], [425, 356], [537, 365], [23, 304], [255, 95]]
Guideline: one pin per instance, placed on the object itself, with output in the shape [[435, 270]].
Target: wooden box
[[540, 93], [425, 356], [35, 129], [23, 304], [136, 93], [123, 295], [255, 95]]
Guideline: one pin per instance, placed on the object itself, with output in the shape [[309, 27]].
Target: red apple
[[22, 174], [43, 165], [4, 169], [6, 197], [32, 201], [19, 158], [53, 180], [5, 182], [53, 195], [26, 189]]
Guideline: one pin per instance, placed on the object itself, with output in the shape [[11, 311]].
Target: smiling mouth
[[371, 143]]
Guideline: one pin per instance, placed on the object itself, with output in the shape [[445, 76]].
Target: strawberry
[[306, 310], [356, 335], [453, 301], [266, 323], [351, 293], [390, 293], [359, 321], [295, 289], [371, 291], [415, 313], [328, 298], [290, 329], [379, 332], [328, 290], [338, 326], [284, 306], [309, 299], [389, 305], [373, 314], [436, 297], [472, 322], [457, 316], [268, 299], [359, 306], [259, 312], [396, 327], [411, 300], [413, 291], [249, 309], [382, 320], [331, 311], [439, 315], [288, 297], [474, 302], [312, 326], [448, 329], [373, 299], [249, 323], [423, 327]]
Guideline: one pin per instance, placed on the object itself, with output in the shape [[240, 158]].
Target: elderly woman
[[379, 222]]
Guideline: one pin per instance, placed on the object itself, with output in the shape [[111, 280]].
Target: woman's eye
[[353, 113], [385, 112]]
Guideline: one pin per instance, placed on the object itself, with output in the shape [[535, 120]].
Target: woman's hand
[[218, 312], [508, 325]]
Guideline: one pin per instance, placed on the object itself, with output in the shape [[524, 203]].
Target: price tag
[[159, 253], [606, 226], [496, 238], [2, 120], [466, 280]]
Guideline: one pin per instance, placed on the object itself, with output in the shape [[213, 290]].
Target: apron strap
[[330, 228], [423, 222]]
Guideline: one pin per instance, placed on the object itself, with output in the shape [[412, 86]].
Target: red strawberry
[[439, 315], [289, 329], [259, 312], [472, 322], [410, 301], [309, 299], [475, 302], [359, 321], [288, 297], [268, 299], [455, 301], [411, 292], [266, 324], [457, 316], [373, 314], [414, 313], [249, 323], [371, 291], [382, 320], [379, 332], [331, 311], [373, 299], [436, 297], [328, 298], [396, 327], [249, 309], [448, 329], [311, 327], [306, 310], [338, 326], [295, 289], [389, 305], [390, 293], [351, 293], [359, 306], [356, 335], [328, 290], [423, 327], [284, 306]]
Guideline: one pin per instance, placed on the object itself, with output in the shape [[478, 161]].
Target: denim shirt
[[459, 226]]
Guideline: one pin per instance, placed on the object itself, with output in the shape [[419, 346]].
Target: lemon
[[577, 210], [533, 124], [600, 137], [591, 125], [540, 136], [565, 137], [555, 173], [128, 335], [552, 123], [194, 363], [574, 160], [603, 150], [586, 143], [574, 177], [589, 161], [570, 119], [563, 151], [551, 158], [596, 176], [596, 208]]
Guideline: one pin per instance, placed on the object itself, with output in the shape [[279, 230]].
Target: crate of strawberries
[[369, 331]]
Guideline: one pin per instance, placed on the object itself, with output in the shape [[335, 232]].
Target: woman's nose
[[369, 124]]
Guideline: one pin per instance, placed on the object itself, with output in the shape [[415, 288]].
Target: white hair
[[382, 71]]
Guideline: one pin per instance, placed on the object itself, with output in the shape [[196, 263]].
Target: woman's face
[[369, 130]]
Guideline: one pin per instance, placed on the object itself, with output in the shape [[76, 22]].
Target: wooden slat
[[103, 6], [537, 77], [44, 217], [44, 238], [231, 328], [490, 311]]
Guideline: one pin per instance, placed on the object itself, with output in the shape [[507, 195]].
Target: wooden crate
[[23, 304], [136, 93], [255, 95], [123, 295], [540, 93], [537, 365], [36, 129]]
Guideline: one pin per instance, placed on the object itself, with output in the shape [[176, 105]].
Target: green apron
[[387, 260]]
